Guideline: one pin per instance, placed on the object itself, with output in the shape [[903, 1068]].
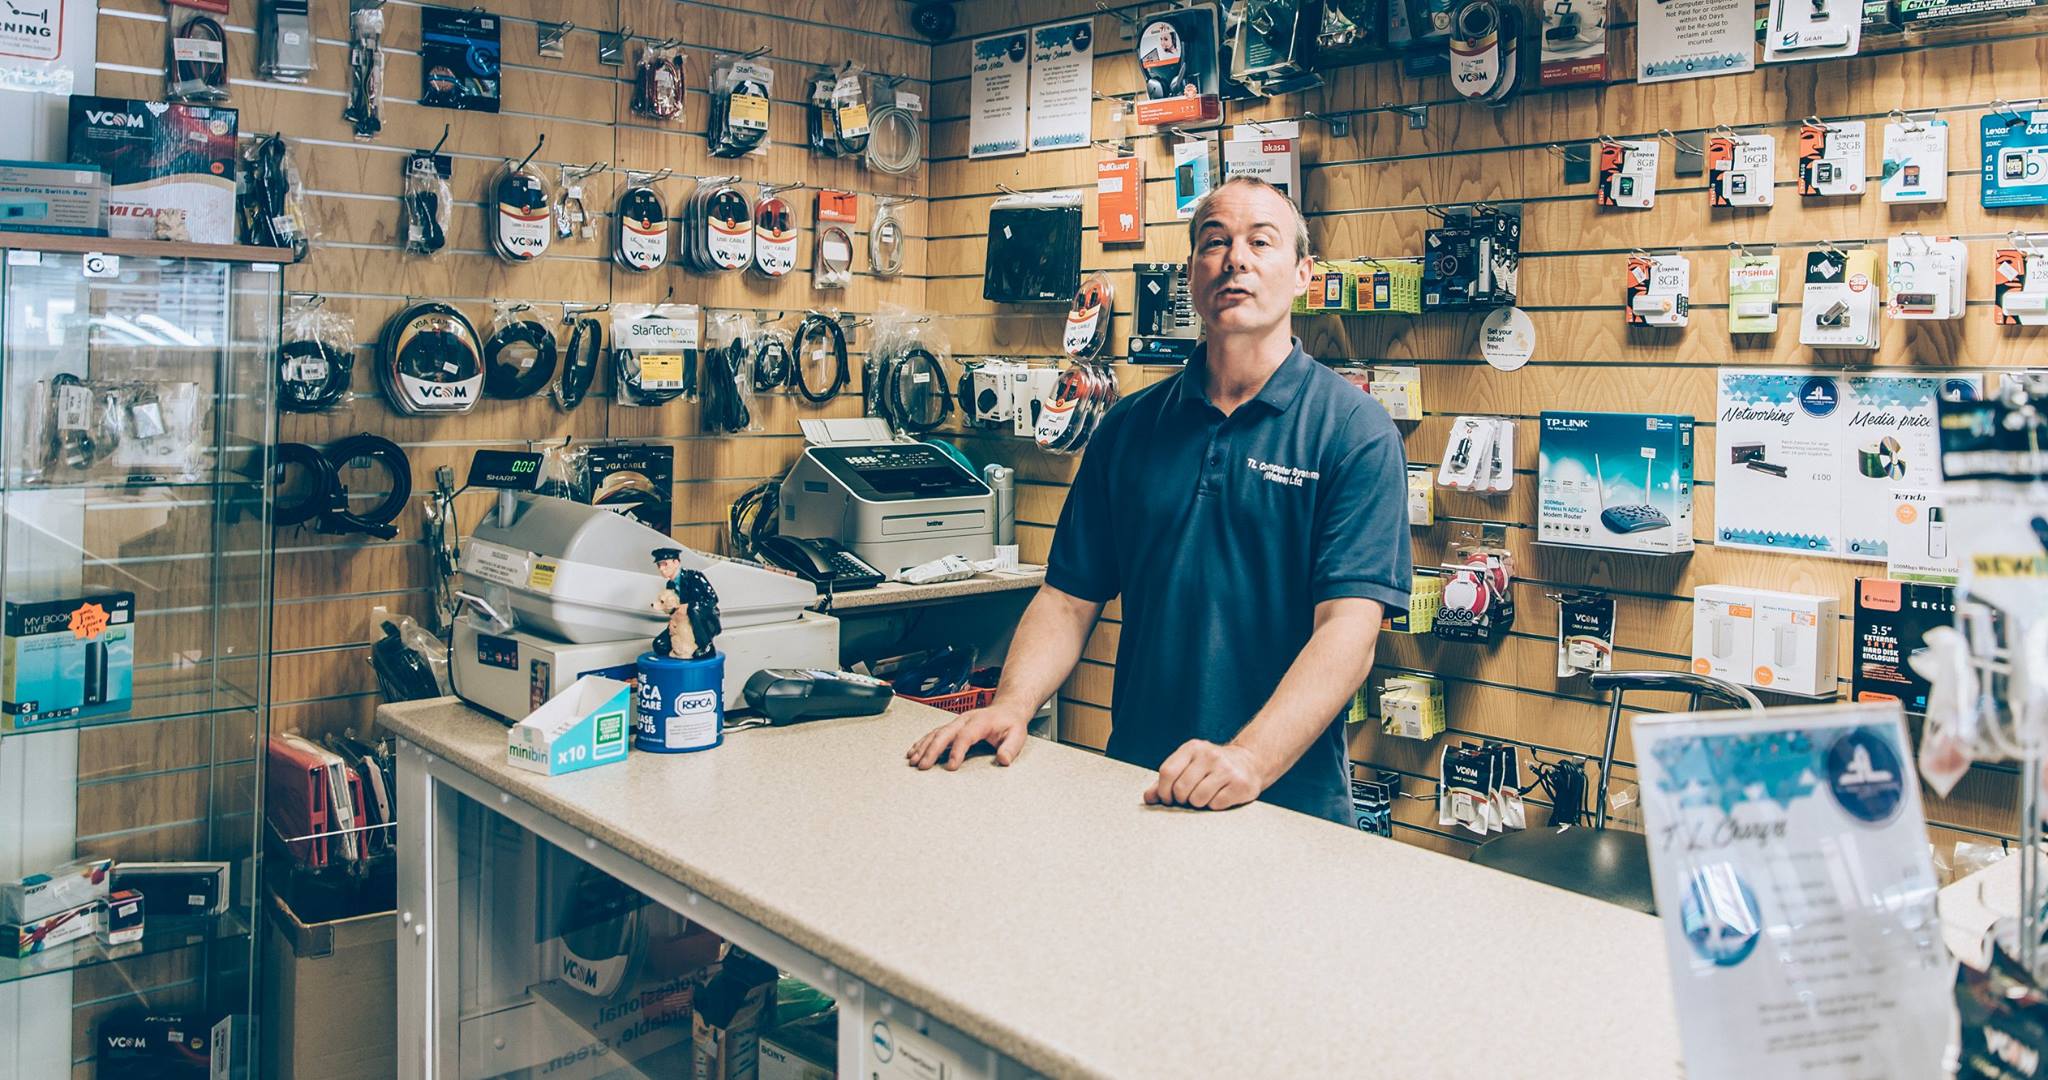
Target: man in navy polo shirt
[[1252, 513]]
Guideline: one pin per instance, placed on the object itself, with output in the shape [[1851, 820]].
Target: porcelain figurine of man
[[691, 606]]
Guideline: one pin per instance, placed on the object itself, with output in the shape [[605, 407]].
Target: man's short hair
[[1302, 248]]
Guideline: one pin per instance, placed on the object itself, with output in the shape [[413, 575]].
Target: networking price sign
[[1789, 858]]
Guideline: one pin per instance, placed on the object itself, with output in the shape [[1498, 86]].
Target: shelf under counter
[[159, 936]]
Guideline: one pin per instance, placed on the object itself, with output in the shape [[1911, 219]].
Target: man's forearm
[[1317, 686], [1044, 650]]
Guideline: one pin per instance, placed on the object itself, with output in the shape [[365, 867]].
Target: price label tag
[[661, 371]]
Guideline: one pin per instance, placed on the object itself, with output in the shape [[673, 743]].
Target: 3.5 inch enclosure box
[[70, 659]]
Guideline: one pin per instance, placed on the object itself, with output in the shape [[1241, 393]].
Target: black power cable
[[312, 375], [828, 334], [772, 361], [266, 193], [327, 501], [725, 409], [753, 517], [511, 379], [917, 371], [579, 367], [320, 497]]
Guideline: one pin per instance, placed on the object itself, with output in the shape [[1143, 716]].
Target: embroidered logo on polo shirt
[[1281, 474]]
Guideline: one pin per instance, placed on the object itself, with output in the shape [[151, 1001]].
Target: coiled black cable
[[328, 499], [772, 361], [424, 234], [903, 373], [267, 211], [320, 497], [725, 408], [377, 523], [830, 334], [753, 517], [506, 379], [579, 367], [312, 375]]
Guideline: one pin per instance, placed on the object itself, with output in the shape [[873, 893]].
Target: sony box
[[1621, 481], [1892, 621], [160, 156], [66, 659]]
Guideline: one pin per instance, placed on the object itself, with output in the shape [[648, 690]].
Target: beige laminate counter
[[898, 594], [1042, 910]]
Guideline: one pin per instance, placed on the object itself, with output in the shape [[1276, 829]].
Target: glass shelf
[[158, 936]]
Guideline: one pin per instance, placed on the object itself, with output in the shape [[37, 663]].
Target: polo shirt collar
[[1278, 395]]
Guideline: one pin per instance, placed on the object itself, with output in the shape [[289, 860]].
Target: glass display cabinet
[[135, 568]]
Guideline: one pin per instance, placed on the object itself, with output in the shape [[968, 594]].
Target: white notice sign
[[997, 96], [1062, 85], [1687, 39], [1789, 857]]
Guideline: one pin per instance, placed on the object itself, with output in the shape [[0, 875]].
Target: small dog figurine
[[691, 606]]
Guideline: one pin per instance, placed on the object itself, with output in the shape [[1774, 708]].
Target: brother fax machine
[[557, 590], [895, 503]]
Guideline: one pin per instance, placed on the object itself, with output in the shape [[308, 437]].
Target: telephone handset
[[822, 560]]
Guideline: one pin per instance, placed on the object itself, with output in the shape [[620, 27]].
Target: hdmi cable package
[[158, 157], [67, 659], [1621, 481]]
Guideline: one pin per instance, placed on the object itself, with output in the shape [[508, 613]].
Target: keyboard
[[1633, 519]]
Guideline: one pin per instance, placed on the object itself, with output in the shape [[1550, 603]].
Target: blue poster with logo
[[1789, 859]]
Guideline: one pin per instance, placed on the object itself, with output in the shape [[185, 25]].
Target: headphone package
[[654, 352], [316, 360], [1034, 248], [1179, 65], [740, 91], [459, 58]]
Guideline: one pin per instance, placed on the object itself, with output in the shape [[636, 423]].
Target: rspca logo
[[1819, 397], [695, 701]]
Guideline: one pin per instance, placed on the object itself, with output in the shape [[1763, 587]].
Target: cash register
[[895, 503], [556, 589]]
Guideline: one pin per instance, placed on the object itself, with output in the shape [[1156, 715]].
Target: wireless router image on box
[[1641, 517]]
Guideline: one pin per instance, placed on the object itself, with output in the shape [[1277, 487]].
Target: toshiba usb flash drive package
[[1621, 481], [1891, 624], [1753, 294]]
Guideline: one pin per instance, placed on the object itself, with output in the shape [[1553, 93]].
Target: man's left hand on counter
[[1207, 776]]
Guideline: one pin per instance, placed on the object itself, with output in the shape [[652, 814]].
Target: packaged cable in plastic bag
[[411, 663], [774, 357], [96, 429], [741, 89], [272, 198], [909, 382], [658, 81], [317, 357], [839, 111], [728, 381], [895, 143], [365, 110], [427, 199], [196, 61], [655, 352], [520, 356]]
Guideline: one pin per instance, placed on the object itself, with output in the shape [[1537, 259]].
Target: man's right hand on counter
[[996, 726]]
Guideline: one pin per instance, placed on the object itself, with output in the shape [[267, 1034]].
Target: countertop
[[896, 593], [1043, 910]]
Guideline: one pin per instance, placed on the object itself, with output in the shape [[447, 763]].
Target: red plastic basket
[[974, 697]]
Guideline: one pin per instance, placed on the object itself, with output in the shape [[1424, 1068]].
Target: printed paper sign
[[1062, 85], [1689, 39], [997, 96]]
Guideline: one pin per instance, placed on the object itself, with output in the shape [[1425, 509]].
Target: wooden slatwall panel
[[1366, 194], [326, 586]]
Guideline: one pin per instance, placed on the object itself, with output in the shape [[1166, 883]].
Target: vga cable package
[[1620, 481]]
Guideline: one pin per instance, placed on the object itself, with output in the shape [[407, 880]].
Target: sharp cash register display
[[894, 504], [560, 590]]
